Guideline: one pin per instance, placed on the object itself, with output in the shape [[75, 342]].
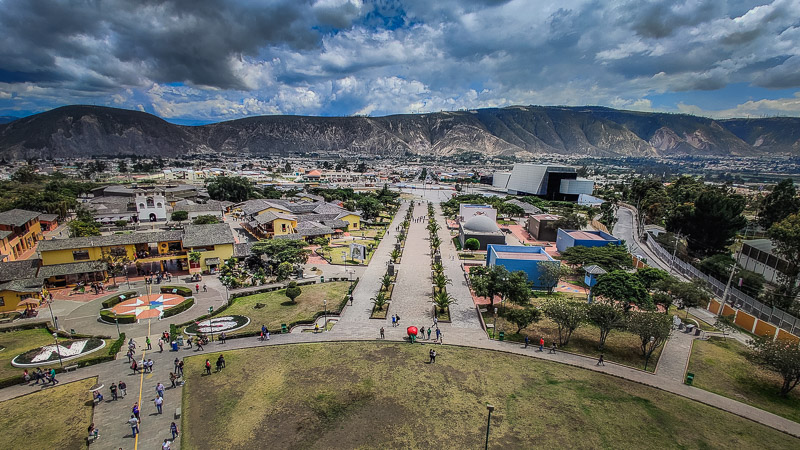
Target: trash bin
[[689, 378], [180, 341], [174, 346], [502, 335], [697, 331], [284, 329]]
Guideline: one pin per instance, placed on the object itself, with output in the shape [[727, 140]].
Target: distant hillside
[[519, 130], [7, 119]]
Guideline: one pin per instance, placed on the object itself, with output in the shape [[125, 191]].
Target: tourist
[[113, 390], [432, 355], [160, 345], [600, 361], [94, 433], [26, 377], [263, 330], [222, 337], [189, 342], [135, 411], [174, 430], [98, 397], [435, 322], [134, 423], [197, 288], [429, 333], [172, 378], [39, 375], [438, 334], [129, 355], [160, 390], [422, 332], [150, 365], [205, 288], [541, 344], [267, 334], [158, 402], [180, 368], [134, 366], [397, 317], [394, 321], [176, 365], [199, 345], [53, 377], [527, 341], [208, 367], [147, 341], [316, 328], [123, 388], [166, 445], [553, 348], [131, 343], [382, 335]]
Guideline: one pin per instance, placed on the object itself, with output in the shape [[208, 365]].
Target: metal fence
[[736, 298]]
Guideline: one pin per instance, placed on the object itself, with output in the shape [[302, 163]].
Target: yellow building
[[19, 232], [213, 242], [18, 282], [307, 219]]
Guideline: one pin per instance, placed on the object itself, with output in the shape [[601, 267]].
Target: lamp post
[[494, 327], [116, 321], [325, 314], [488, 424], [210, 329], [58, 350], [646, 360], [52, 317]]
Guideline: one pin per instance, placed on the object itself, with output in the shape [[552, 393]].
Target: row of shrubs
[[119, 298]]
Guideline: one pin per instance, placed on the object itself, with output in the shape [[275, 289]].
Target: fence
[[736, 298]]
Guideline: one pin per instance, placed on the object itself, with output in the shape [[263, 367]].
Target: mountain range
[[522, 131]]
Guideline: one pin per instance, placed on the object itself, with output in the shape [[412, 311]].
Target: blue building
[[517, 257], [572, 238]]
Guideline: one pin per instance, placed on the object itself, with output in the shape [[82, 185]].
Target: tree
[[608, 214], [719, 267], [122, 166], [781, 357], [472, 244], [711, 221], [232, 189], [652, 329], [725, 324], [283, 271], [83, 224], [487, 281], [786, 237], [621, 286], [523, 317], [361, 167], [550, 273], [649, 276], [379, 301], [293, 291], [116, 265], [121, 223], [609, 257], [386, 281], [607, 316], [443, 300], [517, 289], [395, 255], [370, 207], [321, 241], [279, 251], [779, 204], [570, 221], [205, 219], [441, 281], [179, 216], [568, 316], [511, 210]]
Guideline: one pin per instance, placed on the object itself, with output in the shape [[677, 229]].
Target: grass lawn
[[279, 309], [722, 366], [53, 418], [392, 399], [17, 342], [621, 347], [334, 256], [472, 256]]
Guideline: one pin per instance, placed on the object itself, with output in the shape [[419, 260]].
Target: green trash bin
[[689, 378], [502, 335], [284, 329]]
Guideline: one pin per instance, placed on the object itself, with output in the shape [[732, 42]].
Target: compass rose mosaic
[[148, 306]]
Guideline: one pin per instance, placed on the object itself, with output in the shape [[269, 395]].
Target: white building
[[546, 181], [151, 207]]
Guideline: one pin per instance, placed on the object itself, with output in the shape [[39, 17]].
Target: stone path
[[675, 356]]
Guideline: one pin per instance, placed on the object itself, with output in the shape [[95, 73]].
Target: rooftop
[[111, 240], [13, 270], [523, 256], [586, 235], [212, 234], [764, 245], [17, 217]]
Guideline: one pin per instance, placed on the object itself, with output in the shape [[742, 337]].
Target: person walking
[[176, 365], [123, 387], [166, 445], [208, 367], [553, 348], [160, 345], [432, 355], [222, 337], [197, 288], [174, 430], [382, 335], [600, 361], [135, 411], [205, 288], [172, 378], [397, 316], [158, 402], [527, 341], [129, 355], [180, 368], [422, 332], [394, 321], [199, 345], [541, 344], [53, 377], [134, 423], [429, 333], [149, 344], [113, 390], [263, 331], [160, 390]]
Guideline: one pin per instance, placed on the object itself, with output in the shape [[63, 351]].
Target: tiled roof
[[28, 285], [527, 207], [48, 217], [13, 270], [242, 250], [71, 268], [111, 240], [312, 229], [202, 235], [17, 217]]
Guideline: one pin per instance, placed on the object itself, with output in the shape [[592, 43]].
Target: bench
[[72, 367], [178, 412]]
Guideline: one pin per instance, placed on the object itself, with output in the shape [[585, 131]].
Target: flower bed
[[218, 324]]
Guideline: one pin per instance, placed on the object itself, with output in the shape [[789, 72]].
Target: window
[[141, 205], [118, 251], [149, 202], [158, 204], [2, 302], [80, 255], [283, 227]]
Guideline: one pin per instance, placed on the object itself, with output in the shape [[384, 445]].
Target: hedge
[[108, 317], [183, 306], [181, 290], [113, 349], [108, 303]]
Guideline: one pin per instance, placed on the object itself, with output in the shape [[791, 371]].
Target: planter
[[48, 354], [380, 314], [218, 325]]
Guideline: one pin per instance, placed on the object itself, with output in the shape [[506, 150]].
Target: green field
[[723, 367], [17, 342], [52, 418], [277, 309], [385, 395]]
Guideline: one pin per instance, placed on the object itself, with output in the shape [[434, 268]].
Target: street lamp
[[494, 327], [58, 350], [488, 424], [116, 321], [325, 314]]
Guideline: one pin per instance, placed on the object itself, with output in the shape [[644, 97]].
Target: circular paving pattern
[[218, 324], [48, 354], [148, 306]]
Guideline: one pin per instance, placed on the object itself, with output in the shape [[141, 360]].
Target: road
[[625, 230]]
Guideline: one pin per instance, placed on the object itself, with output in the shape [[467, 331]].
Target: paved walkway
[[675, 356]]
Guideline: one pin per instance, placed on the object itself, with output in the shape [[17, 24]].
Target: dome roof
[[481, 224]]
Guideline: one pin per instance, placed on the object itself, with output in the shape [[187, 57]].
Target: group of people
[[43, 376], [220, 364]]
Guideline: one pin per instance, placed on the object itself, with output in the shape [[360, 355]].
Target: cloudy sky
[[198, 61]]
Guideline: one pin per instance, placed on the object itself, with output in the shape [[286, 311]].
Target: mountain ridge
[[521, 131]]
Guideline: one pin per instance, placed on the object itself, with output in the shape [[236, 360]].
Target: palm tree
[[441, 281], [379, 301], [438, 268], [386, 281], [443, 300], [435, 243], [395, 255]]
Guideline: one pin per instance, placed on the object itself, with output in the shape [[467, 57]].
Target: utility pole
[[675, 251], [728, 286]]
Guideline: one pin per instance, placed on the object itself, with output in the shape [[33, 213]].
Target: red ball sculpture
[[411, 330]]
